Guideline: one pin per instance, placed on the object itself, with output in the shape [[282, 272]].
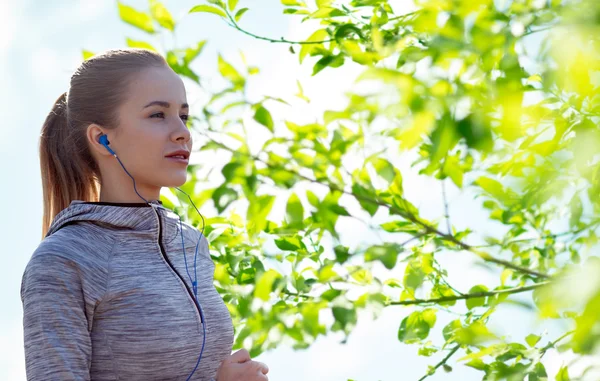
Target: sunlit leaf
[[208, 9], [140, 20]]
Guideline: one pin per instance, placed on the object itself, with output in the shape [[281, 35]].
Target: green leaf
[[181, 69], [476, 132], [294, 210], [193, 52], [288, 243], [476, 302], [344, 316], [230, 73], [293, 3], [576, 211], [258, 210], [312, 198], [323, 3], [240, 13], [385, 169], [532, 339], [232, 170], [331, 294], [452, 168], [364, 198], [421, 123], [309, 49], [223, 196], [295, 11], [263, 116], [451, 329], [208, 9], [331, 61], [387, 254], [264, 285], [161, 14], [232, 4], [416, 326], [131, 16], [327, 12], [563, 374], [338, 209], [491, 186], [310, 315], [400, 227], [441, 290], [347, 29], [300, 93], [87, 54], [416, 270], [474, 334], [139, 44], [540, 373], [362, 276], [341, 253]]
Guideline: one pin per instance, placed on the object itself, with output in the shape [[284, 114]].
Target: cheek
[[145, 150]]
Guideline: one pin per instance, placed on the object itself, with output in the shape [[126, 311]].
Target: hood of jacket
[[139, 217]]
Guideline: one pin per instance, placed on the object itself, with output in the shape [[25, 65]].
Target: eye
[[162, 114]]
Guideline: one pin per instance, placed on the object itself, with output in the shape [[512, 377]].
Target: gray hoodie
[[106, 296]]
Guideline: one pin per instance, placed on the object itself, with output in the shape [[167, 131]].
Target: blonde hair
[[98, 86]]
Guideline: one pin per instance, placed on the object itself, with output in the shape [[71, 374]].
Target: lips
[[179, 154]]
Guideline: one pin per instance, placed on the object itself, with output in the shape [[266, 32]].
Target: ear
[[94, 131]]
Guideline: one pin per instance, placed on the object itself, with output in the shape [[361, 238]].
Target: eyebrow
[[164, 104]]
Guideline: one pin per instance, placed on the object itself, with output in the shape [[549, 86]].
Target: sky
[[41, 47]]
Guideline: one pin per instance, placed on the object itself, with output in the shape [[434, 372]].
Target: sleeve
[[56, 336]]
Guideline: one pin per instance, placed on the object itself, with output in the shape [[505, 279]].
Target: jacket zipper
[[163, 253]]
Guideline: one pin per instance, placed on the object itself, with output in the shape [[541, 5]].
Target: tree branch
[[441, 363], [514, 290], [235, 25], [552, 344], [429, 229]]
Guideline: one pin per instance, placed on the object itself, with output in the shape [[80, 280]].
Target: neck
[[128, 197]]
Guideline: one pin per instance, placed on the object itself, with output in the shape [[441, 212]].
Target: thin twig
[[442, 299], [235, 25], [552, 344], [447, 215], [441, 363]]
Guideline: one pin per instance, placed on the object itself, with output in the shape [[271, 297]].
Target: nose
[[181, 132]]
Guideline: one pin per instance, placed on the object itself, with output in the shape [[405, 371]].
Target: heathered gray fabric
[[101, 303]]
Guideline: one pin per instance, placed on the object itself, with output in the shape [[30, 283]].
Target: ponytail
[[64, 178]]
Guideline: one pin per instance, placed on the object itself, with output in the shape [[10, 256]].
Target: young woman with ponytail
[[108, 294]]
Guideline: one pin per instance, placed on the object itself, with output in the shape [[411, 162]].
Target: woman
[[108, 293]]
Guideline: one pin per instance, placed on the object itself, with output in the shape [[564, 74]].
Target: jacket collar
[[126, 216]]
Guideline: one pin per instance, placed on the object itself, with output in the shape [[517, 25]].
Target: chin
[[174, 181]]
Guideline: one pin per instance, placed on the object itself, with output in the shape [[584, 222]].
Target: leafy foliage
[[458, 87]]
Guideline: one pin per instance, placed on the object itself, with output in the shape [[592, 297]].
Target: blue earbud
[[104, 141]]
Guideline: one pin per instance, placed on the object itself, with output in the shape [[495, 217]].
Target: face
[[152, 125]]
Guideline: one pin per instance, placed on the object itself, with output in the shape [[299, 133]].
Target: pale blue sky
[[40, 48]]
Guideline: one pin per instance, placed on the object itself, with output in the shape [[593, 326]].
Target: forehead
[[156, 83]]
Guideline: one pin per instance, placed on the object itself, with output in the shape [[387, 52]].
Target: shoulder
[[76, 244], [68, 258]]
